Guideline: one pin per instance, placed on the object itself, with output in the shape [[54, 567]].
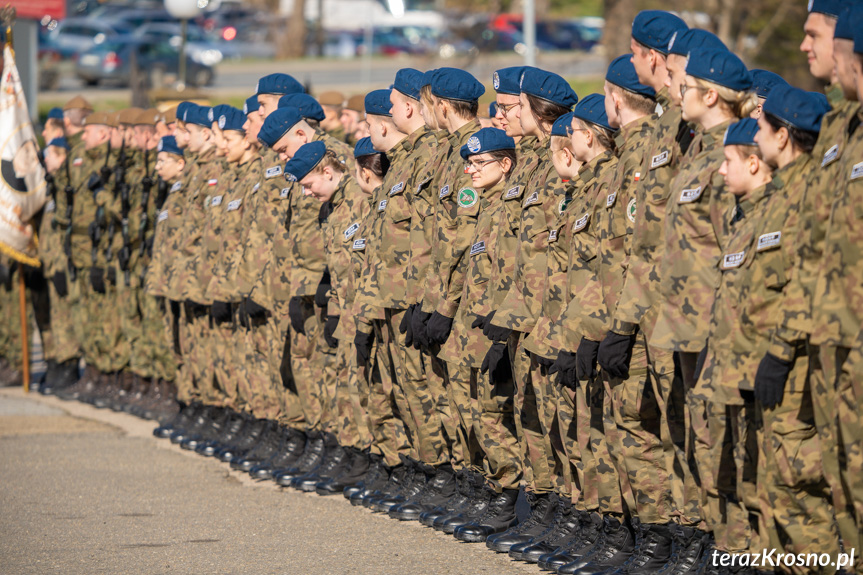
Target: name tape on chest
[[581, 223], [767, 241], [660, 160], [217, 201], [351, 230], [382, 205], [857, 171], [731, 261], [176, 186], [552, 236], [163, 215], [359, 244], [444, 191], [477, 248], [235, 204], [690, 195], [397, 188], [830, 155], [512, 193], [284, 193], [531, 199], [273, 172]]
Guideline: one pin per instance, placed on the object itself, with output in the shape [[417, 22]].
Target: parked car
[[159, 62], [199, 45], [73, 36]]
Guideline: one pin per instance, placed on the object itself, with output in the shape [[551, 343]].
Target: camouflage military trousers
[[353, 429], [195, 348], [228, 352], [97, 326], [558, 462], [795, 498], [567, 424], [697, 439], [154, 354], [637, 418], [498, 435], [259, 392], [312, 366], [65, 345], [592, 446], [462, 390], [531, 416], [279, 363], [386, 404], [127, 309], [10, 332]]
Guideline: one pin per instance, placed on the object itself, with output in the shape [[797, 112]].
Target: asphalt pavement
[[89, 491]]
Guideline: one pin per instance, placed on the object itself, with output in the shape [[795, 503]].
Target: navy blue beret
[[764, 80], [621, 72], [850, 19], [455, 84], [548, 86], [428, 76], [409, 82], [592, 109], [742, 133], [377, 103], [719, 67], [217, 111], [251, 106], [562, 125], [169, 144], [828, 7], [487, 140], [364, 147], [59, 142], [278, 124], [278, 84], [55, 114], [682, 43], [308, 106], [654, 28], [199, 115], [508, 80], [229, 118], [183, 108], [492, 110], [858, 41], [304, 161], [798, 108]]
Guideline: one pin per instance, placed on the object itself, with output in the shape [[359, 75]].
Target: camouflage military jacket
[[211, 240], [389, 257], [422, 201], [339, 230], [87, 206], [166, 243], [50, 235], [735, 347], [467, 345], [456, 211], [358, 243], [237, 211], [509, 221], [543, 200], [836, 305], [123, 232], [815, 211], [689, 273], [639, 300]]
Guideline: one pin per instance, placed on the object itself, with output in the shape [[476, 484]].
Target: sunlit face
[[129, 136], [377, 131], [252, 126], [736, 170], [143, 136], [54, 158], [116, 137], [676, 65], [95, 135], [843, 57], [320, 184], [219, 140], [169, 166], [581, 140], [818, 45], [199, 137], [524, 113], [349, 119], [485, 171], [235, 145], [268, 103], [400, 104], [507, 114], [641, 61], [288, 144], [770, 142], [611, 108], [182, 135], [50, 132], [693, 104]]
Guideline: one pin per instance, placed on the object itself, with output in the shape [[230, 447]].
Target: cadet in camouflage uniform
[[332, 104]]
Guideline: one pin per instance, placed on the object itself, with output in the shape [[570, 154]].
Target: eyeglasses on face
[[476, 165]]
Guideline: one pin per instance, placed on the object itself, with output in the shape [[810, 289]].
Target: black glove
[[94, 183], [419, 320], [405, 326], [481, 321], [97, 279], [585, 359], [363, 342], [220, 311], [59, 281], [615, 353], [439, 328], [329, 329], [111, 275], [770, 380], [322, 294], [495, 333], [566, 368], [253, 310], [298, 318], [497, 363], [543, 361], [699, 364]]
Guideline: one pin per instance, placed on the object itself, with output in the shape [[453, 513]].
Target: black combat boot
[[652, 551], [313, 455], [182, 419], [413, 487], [219, 419], [440, 486], [542, 511], [586, 537], [230, 431], [251, 436], [355, 471], [618, 543], [399, 477], [687, 548], [203, 419], [478, 501], [374, 481], [457, 501], [108, 393], [564, 525], [290, 450], [335, 462], [499, 517], [266, 447], [65, 382]]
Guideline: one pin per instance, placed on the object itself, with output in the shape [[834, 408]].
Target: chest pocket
[[480, 262], [538, 212], [855, 190], [655, 182], [769, 266], [692, 207], [398, 208], [615, 203], [512, 199]]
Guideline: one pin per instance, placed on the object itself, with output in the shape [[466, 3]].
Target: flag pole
[[25, 341]]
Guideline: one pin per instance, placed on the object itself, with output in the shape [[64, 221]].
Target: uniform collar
[[834, 94], [339, 194], [663, 99], [589, 170], [410, 143], [207, 156], [626, 133], [789, 173], [715, 135], [460, 136], [755, 197]]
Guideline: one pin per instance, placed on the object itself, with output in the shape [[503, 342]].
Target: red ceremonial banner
[[37, 9]]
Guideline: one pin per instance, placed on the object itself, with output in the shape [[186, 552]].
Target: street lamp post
[[183, 10]]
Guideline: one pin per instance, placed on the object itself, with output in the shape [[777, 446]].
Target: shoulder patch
[[163, 215], [467, 198], [531, 199], [830, 155], [77, 162], [235, 204], [660, 160], [212, 182], [351, 230], [512, 193], [397, 188], [561, 207], [767, 241], [581, 222], [217, 201], [609, 201], [273, 172], [477, 248], [731, 261], [856, 171], [630, 210], [382, 205], [444, 191], [359, 244], [690, 195], [176, 186]]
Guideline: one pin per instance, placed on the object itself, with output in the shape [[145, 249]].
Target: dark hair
[[314, 124], [54, 123], [332, 160], [378, 164], [498, 155], [803, 140], [604, 136], [464, 110], [633, 101], [544, 111]]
